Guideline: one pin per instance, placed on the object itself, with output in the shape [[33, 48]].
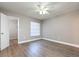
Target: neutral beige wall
[[62, 28]]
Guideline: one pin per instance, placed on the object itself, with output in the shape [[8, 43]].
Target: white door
[[4, 32]]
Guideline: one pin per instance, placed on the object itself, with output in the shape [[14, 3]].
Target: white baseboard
[[29, 40], [65, 43]]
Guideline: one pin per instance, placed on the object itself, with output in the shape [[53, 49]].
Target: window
[[35, 29]]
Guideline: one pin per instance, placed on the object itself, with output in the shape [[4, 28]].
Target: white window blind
[[35, 29]]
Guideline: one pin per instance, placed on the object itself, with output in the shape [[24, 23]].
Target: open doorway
[[13, 30]]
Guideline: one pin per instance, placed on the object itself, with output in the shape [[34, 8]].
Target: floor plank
[[39, 48]]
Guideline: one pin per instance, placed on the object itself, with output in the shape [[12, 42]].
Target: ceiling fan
[[42, 8]]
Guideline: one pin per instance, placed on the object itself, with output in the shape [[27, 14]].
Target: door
[[4, 32]]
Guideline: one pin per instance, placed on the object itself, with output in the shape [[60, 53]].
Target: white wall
[[63, 28], [13, 28]]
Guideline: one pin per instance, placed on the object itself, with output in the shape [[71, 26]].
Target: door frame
[[16, 18], [18, 29]]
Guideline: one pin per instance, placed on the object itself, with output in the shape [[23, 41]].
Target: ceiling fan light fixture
[[42, 10]]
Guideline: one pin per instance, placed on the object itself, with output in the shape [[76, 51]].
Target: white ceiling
[[29, 9]]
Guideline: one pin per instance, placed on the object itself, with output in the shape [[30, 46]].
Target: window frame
[[32, 32]]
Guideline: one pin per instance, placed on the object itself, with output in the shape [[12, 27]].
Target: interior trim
[[29, 40], [65, 43]]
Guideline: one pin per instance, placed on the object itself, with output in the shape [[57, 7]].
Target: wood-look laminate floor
[[39, 48]]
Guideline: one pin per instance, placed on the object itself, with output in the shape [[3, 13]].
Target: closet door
[[4, 32]]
